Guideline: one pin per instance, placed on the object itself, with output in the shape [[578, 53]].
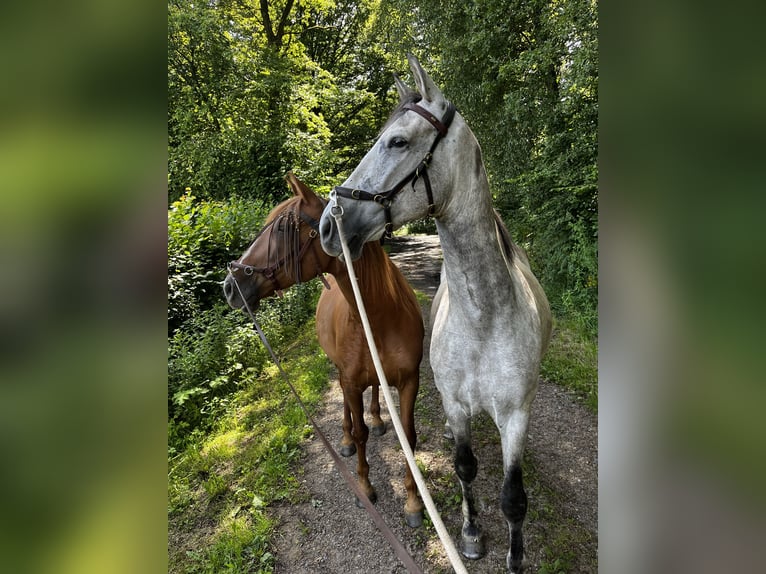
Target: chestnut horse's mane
[[287, 250], [380, 279]]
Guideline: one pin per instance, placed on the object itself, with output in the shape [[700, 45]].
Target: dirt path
[[325, 533]]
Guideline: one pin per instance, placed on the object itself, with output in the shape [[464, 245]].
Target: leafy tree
[[524, 75], [257, 88]]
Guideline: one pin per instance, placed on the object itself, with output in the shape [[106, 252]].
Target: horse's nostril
[[325, 227]]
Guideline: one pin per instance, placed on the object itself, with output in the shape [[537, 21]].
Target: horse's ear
[[404, 90], [423, 81], [299, 188]]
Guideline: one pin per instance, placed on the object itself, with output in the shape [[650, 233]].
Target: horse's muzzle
[[328, 235], [233, 292]]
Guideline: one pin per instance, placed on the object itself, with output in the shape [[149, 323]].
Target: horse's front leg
[[413, 508], [466, 467], [513, 501], [513, 498], [353, 398], [347, 446]]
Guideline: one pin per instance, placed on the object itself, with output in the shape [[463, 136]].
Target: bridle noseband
[[270, 271], [386, 198]]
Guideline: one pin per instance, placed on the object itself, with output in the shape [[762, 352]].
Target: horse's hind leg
[[466, 467], [353, 398], [513, 498], [378, 427]]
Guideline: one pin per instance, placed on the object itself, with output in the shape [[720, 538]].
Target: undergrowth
[[572, 362], [562, 537], [221, 485]]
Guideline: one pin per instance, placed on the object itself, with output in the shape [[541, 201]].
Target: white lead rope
[[441, 530]]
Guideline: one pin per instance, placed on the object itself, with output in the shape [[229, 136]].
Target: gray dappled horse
[[491, 320]]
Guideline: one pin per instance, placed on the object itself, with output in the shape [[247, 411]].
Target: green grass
[[220, 487], [572, 362], [422, 298], [562, 538]]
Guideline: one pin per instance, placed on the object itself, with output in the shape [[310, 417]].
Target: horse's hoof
[[517, 568], [379, 430], [373, 498], [347, 449], [448, 433], [473, 546], [414, 519]]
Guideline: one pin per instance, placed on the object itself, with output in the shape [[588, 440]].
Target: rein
[[377, 518], [386, 198], [270, 271]]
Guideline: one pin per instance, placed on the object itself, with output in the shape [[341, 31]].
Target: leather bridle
[[386, 198], [270, 271]]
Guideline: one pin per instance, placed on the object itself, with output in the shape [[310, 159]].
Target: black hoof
[[472, 546], [373, 499], [347, 449], [514, 567], [414, 519], [379, 430]]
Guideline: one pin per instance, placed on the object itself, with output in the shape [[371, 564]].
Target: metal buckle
[[356, 194]]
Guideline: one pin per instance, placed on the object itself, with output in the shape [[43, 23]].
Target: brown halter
[[386, 198]]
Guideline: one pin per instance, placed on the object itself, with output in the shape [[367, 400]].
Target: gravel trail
[[323, 532]]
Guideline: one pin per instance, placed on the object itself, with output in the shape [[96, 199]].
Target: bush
[[217, 351], [203, 236], [214, 353]]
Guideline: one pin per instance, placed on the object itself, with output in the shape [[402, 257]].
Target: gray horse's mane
[[511, 249]]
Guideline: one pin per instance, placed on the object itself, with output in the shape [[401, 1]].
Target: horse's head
[[284, 253], [407, 173]]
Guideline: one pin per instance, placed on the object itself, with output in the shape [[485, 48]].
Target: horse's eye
[[397, 142]]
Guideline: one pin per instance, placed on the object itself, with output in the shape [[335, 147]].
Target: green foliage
[[240, 548], [229, 476], [427, 226], [217, 351], [532, 104], [256, 89], [202, 237], [572, 361], [249, 100]]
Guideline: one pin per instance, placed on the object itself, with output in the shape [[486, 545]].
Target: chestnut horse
[[287, 252]]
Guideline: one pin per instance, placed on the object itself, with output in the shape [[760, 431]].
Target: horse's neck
[[369, 286], [477, 274]]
